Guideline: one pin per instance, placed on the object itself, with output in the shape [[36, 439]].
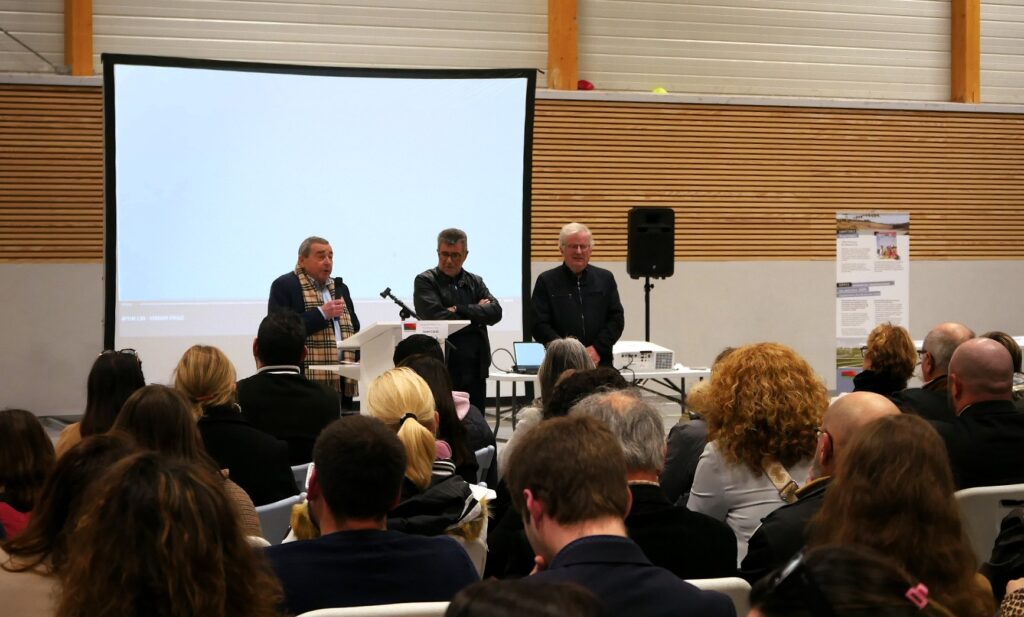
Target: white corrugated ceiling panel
[[40, 25]]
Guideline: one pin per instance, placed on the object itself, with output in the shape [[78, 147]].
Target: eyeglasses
[[577, 247], [452, 256], [863, 351]]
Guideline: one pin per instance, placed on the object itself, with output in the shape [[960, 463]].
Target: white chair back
[[276, 518], [484, 458], [257, 541], [408, 609], [982, 509], [736, 588], [300, 472]]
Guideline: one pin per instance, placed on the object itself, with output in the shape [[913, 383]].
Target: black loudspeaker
[[651, 243]]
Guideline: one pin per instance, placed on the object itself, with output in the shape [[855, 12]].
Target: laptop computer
[[529, 356]]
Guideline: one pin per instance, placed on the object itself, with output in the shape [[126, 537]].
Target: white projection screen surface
[[216, 171]]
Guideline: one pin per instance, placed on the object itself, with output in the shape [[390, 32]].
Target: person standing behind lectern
[[577, 299], [450, 292], [326, 310]]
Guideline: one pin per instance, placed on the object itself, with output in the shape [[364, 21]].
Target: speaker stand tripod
[[648, 286]]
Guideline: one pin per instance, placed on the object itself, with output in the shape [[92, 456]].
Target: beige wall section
[[40, 25], [876, 49], [379, 33], [1002, 51]]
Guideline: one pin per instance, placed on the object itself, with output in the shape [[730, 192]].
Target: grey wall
[[52, 316]]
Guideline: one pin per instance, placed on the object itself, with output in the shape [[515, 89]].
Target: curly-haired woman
[[764, 406], [889, 361]]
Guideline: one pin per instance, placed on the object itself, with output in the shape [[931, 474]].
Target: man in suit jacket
[[567, 480], [689, 544], [930, 401], [577, 299], [986, 439], [326, 309], [784, 532], [359, 465], [278, 399]]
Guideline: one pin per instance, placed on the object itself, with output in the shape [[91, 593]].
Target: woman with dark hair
[[451, 434], [159, 537], [26, 458], [516, 598], [112, 379], [893, 492], [256, 461], [843, 581], [30, 562], [889, 360], [159, 418], [1011, 346]]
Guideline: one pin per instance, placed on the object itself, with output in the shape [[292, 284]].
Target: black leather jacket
[[434, 291]]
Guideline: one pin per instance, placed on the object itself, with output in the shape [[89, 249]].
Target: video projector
[[642, 356]]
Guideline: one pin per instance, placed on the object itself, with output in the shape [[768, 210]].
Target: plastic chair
[[300, 472], [276, 518], [257, 541], [982, 509], [484, 458], [736, 588], [407, 609]]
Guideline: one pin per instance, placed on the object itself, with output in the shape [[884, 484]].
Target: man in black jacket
[[931, 400], [577, 299], [448, 292]]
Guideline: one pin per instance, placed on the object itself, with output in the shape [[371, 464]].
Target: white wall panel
[[1002, 51], [40, 25], [882, 49], [389, 33]]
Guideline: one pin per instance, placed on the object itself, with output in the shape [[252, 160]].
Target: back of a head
[[177, 543], [206, 377], [47, 534], [112, 379], [281, 339], [435, 373], [518, 598], [982, 369], [575, 466], [851, 412], [891, 351], [559, 356], [765, 403], [402, 400], [26, 458], [360, 464], [942, 341], [159, 418], [636, 423], [579, 385], [418, 344], [1010, 344], [843, 581]]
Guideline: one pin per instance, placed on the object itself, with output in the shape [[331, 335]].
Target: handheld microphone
[[337, 295]]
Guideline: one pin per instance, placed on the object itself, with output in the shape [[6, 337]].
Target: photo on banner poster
[[872, 283]]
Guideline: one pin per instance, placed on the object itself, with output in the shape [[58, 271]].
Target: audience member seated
[[930, 401], [494, 598], [688, 544], [784, 532], [450, 429], [686, 441], [560, 355], [986, 439], [357, 561], [1011, 346], [255, 460], [112, 379], [893, 492], [765, 404], [158, 418], [278, 399], [158, 536], [568, 482], [26, 458], [417, 344], [843, 581], [30, 563], [889, 361], [434, 500]]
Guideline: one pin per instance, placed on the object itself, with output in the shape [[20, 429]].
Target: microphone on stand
[[403, 314]]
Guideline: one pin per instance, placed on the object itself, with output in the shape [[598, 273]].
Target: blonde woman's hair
[[391, 397], [206, 377]]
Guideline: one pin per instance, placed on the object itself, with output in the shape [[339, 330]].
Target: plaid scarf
[[322, 346]]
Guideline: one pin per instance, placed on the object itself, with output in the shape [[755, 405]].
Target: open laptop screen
[[529, 355]]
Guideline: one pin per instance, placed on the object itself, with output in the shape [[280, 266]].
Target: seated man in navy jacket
[[359, 464], [568, 482], [278, 399]]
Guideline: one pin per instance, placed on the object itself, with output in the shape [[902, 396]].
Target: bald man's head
[[842, 419], [981, 370], [939, 346]]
